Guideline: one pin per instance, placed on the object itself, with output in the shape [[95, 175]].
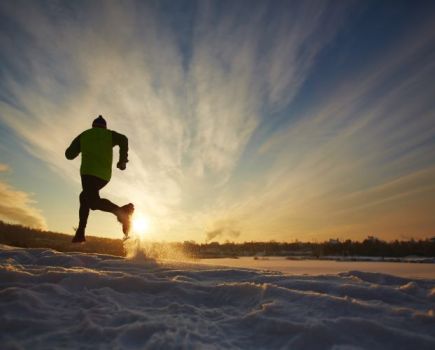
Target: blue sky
[[254, 120]]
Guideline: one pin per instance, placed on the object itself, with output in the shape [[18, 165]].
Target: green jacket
[[96, 147]]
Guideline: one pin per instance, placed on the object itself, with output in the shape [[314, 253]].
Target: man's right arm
[[74, 149]]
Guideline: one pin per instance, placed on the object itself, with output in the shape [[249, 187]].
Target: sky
[[247, 120]]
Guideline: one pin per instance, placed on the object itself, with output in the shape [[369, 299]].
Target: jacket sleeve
[[74, 149], [121, 141]]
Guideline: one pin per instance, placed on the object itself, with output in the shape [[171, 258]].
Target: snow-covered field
[[329, 267], [52, 300]]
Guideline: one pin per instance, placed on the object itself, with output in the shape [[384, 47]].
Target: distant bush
[[26, 237]]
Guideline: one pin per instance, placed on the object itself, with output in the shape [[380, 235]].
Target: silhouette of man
[[96, 145]]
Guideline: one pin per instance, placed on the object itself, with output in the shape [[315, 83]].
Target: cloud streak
[[17, 206]]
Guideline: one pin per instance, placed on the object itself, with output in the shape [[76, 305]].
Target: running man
[[96, 145]]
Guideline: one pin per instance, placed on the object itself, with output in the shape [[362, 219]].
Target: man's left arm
[[121, 141]]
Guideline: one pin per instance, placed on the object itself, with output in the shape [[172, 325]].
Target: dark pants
[[90, 199]]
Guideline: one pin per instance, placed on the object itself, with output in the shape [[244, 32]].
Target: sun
[[141, 225]]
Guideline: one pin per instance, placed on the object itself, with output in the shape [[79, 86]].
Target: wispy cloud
[[17, 206], [361, 137], [199, 111]]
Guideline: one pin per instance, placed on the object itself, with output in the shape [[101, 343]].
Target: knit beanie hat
[[99, 122]]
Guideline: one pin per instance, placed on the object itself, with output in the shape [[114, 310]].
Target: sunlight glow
[[141, 225]]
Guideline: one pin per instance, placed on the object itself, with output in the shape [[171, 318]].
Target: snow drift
[[89, 301]]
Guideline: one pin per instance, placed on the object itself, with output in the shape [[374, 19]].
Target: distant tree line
[[21, 236], [369, 247]]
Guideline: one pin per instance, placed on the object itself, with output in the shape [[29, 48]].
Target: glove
[[121, 165]]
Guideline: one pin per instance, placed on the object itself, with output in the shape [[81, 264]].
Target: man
[[96, 146]]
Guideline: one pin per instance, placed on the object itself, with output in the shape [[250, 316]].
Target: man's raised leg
[[91, 187]]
